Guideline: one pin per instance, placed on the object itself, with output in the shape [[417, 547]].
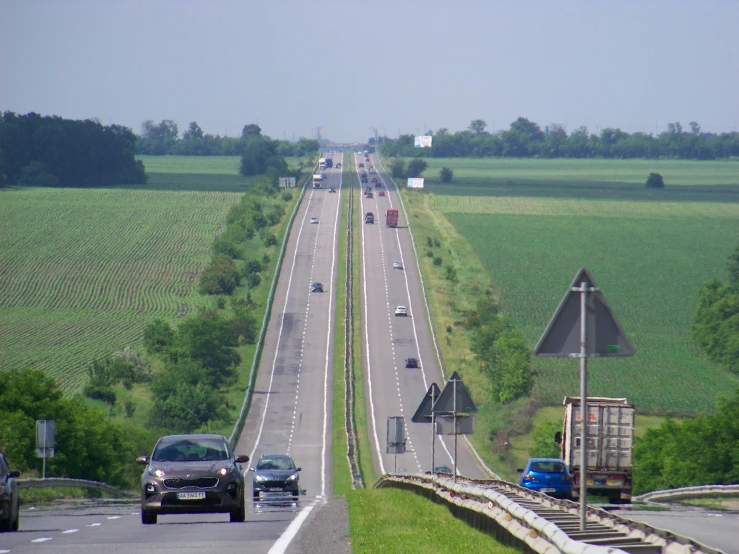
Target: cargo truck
[[329, 163], [610, 446], [322, 164], [317, 180], [391, 217]]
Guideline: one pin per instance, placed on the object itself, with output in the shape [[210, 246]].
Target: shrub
[[221, 277], [416, 167], [655, 181], [438, 260], [104, 393], [269, 238], [446, 175]]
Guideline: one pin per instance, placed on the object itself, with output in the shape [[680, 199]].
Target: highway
[[290, 413], [391, 389]]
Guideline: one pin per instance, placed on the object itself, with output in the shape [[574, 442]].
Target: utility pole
[[318, 134], [375, 131]]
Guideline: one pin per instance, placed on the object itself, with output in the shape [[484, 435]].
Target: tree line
[[526, 139], [163, 138], [52, 151]]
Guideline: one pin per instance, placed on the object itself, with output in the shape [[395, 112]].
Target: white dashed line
[[93, 524], [42, 539], [68, 531]]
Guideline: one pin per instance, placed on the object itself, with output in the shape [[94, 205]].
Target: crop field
[[649, 251], [83, 270]]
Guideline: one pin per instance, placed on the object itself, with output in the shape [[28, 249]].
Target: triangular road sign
[[423, 413], [605, 336], [445, 404]]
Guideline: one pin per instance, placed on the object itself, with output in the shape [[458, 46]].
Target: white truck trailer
[[609, 450], [322, 164], [317, 181]]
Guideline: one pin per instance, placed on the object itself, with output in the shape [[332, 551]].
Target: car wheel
[[148, 518], [240, 514], [16, 523]]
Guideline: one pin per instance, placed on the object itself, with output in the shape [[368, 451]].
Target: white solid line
[[69, 531], [42, 539], [114, 517], [93, 524], [284, 541]]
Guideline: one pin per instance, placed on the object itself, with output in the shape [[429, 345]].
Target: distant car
[[338, 165], [381, 193], [368, 195], [192, 474], [373, 180], [332, 189], [10, 513], [411, 363], [397, 265], [314, 220], [372, 170], [443, 469], [547, 475], [401, 310], [316, 287], [361, 166], [275, 476], [366, 158]]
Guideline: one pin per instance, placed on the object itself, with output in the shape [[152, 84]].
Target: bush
[[397, 168], [103, 393], [416, 167], [438, 260], [655, 181], [451, 274], [221, 277], [158, 335], [269, 238], [446, 175]]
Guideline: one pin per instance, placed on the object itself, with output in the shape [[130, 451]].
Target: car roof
[[546, 460], [276, 456], [175, 438]]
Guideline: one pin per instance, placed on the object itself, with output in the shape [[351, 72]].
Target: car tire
[[148, 518], [16, 523], [239, 515]]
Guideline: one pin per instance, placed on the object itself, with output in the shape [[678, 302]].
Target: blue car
[[547, 475]]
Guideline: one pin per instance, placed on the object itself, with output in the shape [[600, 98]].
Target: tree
[[509, 368], [544, 445], [221, 276], [446, 175], [733, 266], [194, 132], [655, 181], [477, 126], [158, 335], [397, 168], [416, 167]]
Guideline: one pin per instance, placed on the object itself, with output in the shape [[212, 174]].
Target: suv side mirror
[[142, 460], [558, 437], [242, 458], [520, 470], [14, 473], [299, 469]]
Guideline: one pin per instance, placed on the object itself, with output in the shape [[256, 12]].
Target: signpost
[[584, 327], [424, 414], [45, 437], [423, 141], [453, 403], [395, 437], [287, 182], [415, 182]]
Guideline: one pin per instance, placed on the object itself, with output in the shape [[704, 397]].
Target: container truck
[[329, 163], [322, 164], [610, 446], [391, 217], [317, 180]]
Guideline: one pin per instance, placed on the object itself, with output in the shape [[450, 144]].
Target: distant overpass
[[347, 147]]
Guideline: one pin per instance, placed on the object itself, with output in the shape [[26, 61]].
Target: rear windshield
[[548, 467], [191, 450], [275, 463]]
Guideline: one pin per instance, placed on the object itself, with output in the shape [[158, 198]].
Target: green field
[[83, 270], [534, 223]]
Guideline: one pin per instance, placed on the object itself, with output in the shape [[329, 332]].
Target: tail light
[[528, 477], [566, 478]]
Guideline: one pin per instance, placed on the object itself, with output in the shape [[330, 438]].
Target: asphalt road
[[388, 340], [290, 413]]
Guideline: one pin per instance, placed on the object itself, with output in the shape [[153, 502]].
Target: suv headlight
[[293, 477], [260, 478], [159, 472], [226, 470]]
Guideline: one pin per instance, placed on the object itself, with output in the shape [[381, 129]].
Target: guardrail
[[349, 423], [33, 483], [246, 404], [536, 522], [686, 493]]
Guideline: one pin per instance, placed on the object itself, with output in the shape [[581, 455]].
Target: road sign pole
[[454, 479], [433, 433], [583, 403]]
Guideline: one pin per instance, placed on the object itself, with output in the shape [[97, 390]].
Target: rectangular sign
[[45, 433], [415, 182], [445, 425], [422, 141], [287, 182]]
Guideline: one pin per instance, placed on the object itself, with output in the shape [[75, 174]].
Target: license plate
[[191, 495], [276, 489], [548, 490]]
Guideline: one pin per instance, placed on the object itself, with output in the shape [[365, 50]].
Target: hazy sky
[[348, 65]]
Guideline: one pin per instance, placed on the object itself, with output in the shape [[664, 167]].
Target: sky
[[344, 67]]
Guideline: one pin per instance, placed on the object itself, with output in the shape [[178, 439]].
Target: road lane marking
[[93, 524], [284, 541], [68, 531], [114, 517], [42, 539]]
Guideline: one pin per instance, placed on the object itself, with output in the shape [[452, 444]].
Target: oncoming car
[[276, 476], [401, 311], [314, 220], [547, 475], [381, 193], [316, 287], [9, 503], [189, 474], [397, 265]]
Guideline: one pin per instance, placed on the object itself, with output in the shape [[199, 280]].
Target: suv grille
[[200, 482]]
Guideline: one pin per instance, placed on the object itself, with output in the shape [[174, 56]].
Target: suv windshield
[[281, 462], [191, 450]]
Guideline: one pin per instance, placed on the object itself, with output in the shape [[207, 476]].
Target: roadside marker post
[[584, 327]]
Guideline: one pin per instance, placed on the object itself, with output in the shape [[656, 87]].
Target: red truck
[[391, 217]]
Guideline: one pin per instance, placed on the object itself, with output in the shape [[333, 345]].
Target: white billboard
[[415, 183], [422, 142]]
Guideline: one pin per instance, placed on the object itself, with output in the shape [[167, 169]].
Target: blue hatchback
[[547, 475]]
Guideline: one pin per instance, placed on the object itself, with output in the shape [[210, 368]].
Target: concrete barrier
[[78, 483]]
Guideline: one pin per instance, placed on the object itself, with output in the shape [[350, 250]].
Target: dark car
[[316, 287], [338, 165], [189, 474], [547, 475], [276, 476], [332, 189], [411, 362], [10, 512], [443, 469]]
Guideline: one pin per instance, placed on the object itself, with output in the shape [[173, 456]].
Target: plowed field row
[[83, 271]]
